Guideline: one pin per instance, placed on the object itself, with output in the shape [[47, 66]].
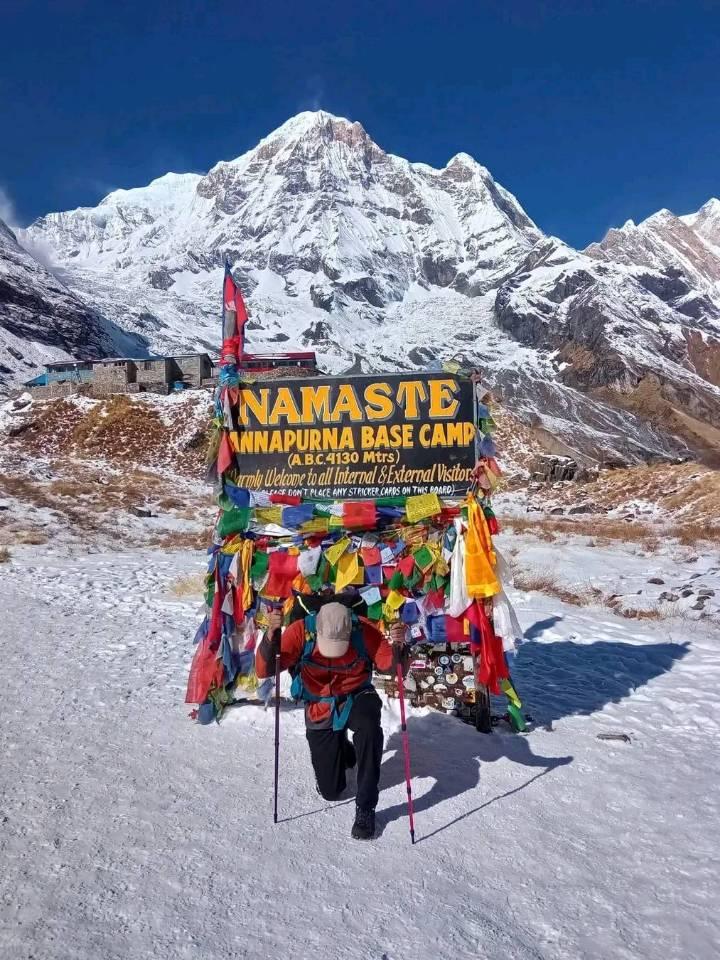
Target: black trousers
[[327, 751]]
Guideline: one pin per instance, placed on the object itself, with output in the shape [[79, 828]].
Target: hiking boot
[[364, 826], [349, 754]]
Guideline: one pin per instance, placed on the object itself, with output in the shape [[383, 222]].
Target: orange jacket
[[327, 682]]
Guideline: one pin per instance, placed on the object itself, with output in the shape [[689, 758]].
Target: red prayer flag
[[234, 319], [455, 629], [405, 566], [286, 498], [282, 570], [360, 514], [371, 556], [225, 454]]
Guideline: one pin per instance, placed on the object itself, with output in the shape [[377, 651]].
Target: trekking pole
[[276, 638], [406, 742]]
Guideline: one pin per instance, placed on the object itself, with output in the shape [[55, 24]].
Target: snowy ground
[[126, 831]]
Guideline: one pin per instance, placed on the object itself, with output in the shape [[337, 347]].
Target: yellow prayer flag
[[316, 525], [334, 552], [394, 600], [509, 691], [347, 570], [424, 505], [268, 515]]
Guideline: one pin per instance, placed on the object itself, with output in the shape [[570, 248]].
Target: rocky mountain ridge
[[379, 263], [42, 320]]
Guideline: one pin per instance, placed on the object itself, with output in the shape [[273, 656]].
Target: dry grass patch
[[34, 538], [72, 488], [653, 613], [188, 586], [535, 580], [649, 536], [182, 540], [171, 503], [690, 534], [103, 418], [5, 555]]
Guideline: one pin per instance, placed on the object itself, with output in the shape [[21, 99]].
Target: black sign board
[[357, 437]]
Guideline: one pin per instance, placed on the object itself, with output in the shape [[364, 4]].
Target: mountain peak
[[158, 192], [311, 123]]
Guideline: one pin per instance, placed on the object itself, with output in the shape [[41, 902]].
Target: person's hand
[[275, 621], [397, 634]]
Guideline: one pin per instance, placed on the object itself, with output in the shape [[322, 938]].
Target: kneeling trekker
[[331, 655]]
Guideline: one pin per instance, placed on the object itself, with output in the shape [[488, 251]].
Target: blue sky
[[590, 112]]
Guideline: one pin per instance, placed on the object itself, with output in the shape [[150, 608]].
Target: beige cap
[[334, 625]]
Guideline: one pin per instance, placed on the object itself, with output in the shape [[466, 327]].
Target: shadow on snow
[[554, 680], [562, 679]]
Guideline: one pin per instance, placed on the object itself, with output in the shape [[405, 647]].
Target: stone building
[[162, 374], [114, 376], [192, 368], [154, 375]]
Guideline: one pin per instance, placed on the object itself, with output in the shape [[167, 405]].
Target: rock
[[556, 511], [687, 593], [670, 597], [549, 468], [658, 580], [15, 429], [706, 594], [582, 508], [141, 511], [4, 505], [694, 576], [700, 605], [691, 560]]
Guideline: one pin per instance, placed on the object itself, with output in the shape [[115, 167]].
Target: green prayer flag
[[516, 717], [233, 521], [390, 501], [315, 582], [374, 611], [259, 565], [424, 557], [396, 580]]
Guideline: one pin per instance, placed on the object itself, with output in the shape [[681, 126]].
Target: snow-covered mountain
[[379, 263], [41, 320]]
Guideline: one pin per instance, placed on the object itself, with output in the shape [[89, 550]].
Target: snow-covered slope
[[380, 263], [41, 320]]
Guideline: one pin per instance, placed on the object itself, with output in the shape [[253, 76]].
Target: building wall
[[54, 390], [152, 371], [193, 369], [101, 390], [114, 374]]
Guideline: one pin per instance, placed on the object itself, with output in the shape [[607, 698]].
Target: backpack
[[299, 691]]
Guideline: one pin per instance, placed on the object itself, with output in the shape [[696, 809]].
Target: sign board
[[357, 437]]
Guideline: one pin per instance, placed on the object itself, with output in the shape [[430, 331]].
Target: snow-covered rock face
[[41, 320], [379, 263], [316, 219]]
